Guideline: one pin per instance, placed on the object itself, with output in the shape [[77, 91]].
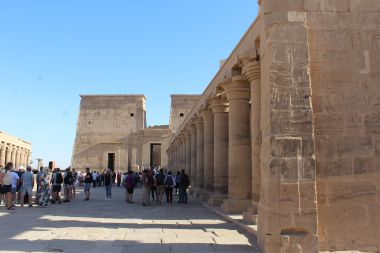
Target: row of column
[[220, 146], [17, 155]]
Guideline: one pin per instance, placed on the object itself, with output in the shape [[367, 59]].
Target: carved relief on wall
[[84, 143], [116, 119]]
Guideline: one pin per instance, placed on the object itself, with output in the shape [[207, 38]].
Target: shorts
[[87, 187], [14, 190], [56, 188], [130, 190], [28, 190], [5, 189]]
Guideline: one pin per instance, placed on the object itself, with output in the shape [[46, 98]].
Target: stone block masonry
[[296, 110]]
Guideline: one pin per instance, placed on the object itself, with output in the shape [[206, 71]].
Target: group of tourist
[[16, 185]]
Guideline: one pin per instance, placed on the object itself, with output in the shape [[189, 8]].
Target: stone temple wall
[[287, 133], [344, 48], [104, 126], [117, 124]]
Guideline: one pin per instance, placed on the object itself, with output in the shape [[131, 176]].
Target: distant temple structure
[[15, 150], [112, 132]]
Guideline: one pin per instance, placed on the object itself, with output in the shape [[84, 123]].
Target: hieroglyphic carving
[[116, 116]]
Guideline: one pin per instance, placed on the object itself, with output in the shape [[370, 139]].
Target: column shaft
[[188, 153], [193, 132], [208, 119], [239, 155], [200, 154], [2, 155]]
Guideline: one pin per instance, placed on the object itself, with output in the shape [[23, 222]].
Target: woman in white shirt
[[6, 184]]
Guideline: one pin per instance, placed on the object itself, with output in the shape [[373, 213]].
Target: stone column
[[22, 157], [219, 107], [17, 158], [287, 211], [238, 95], [182, 151], [40, 163], [2, 154], [251, 70], [188, 152], [8, 154], [28, 158], [175, 147], [208, 120], [13, 156], [193, 132], [200, 155]]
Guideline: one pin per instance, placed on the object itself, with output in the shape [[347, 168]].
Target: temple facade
[[112, 132]]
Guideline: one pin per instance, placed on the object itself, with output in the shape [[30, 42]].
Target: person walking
[[177, 182], [6, 185], [75, 183], [129, 184], [169, 185], [27, 180], [15, 179], [160, 186], [148, 182], [95, 176], [183, 184], [68, 183], [88, 180], [44, 190], [108, 177], [38, 179], [56, 182]]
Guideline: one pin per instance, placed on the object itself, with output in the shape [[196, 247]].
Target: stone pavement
[[102, 226]]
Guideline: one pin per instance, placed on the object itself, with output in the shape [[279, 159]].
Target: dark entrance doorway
[[111, 161], [155, 155]]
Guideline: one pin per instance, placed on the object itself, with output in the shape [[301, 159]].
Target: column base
[[235, 205], [205, 195], [192, 191], [291, 243], [197, 193], [250, 216], [217, 199]]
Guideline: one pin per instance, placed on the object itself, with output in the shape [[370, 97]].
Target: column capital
[[218, 104], [193, 129], [188, 134], [199, 123], [207, 116], [239, 88], [252, 70]]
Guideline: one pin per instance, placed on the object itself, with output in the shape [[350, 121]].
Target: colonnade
[[19, 156], [220, 145]]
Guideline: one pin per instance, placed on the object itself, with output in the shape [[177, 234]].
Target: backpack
[[68, 179], [149, 180], [130, 182], [58, 178], [169, 181], [160, 179], [184, 180]]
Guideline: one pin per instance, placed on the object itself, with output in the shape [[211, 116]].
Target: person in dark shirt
[[87, 184], [183, 184], [108, 178]]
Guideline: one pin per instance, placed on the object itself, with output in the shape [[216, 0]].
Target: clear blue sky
[[52, 51]]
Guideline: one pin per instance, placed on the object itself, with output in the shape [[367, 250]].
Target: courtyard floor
[[115, 226]]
